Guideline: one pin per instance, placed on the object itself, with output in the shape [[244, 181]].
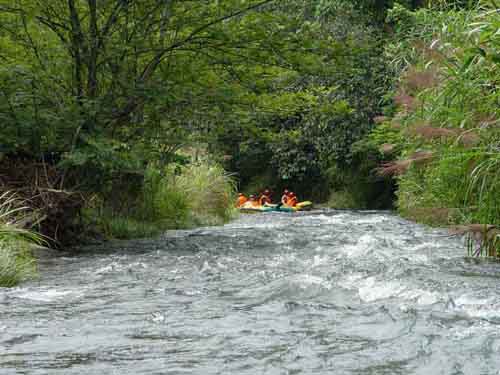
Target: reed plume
[[469, 139], [396, 125], [431, 132], [380, 119], [406, 101], [466, 137], [416, 80], [387, 148], [399, 167]]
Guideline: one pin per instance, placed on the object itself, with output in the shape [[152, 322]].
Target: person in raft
[[292, 199], [252, 202], [241, 200], [265, 198], [284, 197]]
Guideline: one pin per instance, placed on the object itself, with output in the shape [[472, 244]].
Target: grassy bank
[[441, 139], [198, 194], [16, 261]]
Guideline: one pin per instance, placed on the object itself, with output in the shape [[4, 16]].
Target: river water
[[326, 292]]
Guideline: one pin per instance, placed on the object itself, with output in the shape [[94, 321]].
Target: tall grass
[[447, 103], [199, 194], [163, 201], [16, 243], [210, 193]]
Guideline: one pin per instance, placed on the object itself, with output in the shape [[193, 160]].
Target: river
[[326, 292]]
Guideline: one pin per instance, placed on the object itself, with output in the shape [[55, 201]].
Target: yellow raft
[[301, 206]]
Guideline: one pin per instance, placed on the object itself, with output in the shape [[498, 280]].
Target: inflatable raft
[[302, 206]]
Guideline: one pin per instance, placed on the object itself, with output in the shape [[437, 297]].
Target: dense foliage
[[99, 92], [302, 134], [444, 130], [96, 93], [107, 108]]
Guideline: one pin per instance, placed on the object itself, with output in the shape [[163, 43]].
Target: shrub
[[210, 192], [174, 198], [16, 261], [342, 200]]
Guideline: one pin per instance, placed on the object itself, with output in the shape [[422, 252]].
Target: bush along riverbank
[[175, 197], [198, 194], [441, 139], [16, 243]]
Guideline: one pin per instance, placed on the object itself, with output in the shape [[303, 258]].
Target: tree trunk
[[93, 52], [76, 46]]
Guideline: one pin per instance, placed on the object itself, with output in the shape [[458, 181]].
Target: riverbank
[[179, 197], [198, 194], [441, 139]]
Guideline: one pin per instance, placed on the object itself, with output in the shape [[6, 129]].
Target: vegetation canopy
[[125, 118]]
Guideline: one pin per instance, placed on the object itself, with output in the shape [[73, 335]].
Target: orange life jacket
[[247, 204], [255, 203], [241, 201], [292, 202]]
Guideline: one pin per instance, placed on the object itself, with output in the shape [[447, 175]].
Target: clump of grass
[[127, 227], [210, 192], [16, 261], [342, 200], [484, 185], [198, 194], [163, 201]]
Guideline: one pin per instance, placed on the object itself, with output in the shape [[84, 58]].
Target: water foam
[[49, 295], [364, 245], [371, 290]]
